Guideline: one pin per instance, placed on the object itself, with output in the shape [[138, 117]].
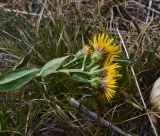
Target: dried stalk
[[94, 116], [137, 84]]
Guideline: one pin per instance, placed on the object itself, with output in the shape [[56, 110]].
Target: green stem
[[84, 61], [69, 63], [44, 94], [90, 65], [80, 71]]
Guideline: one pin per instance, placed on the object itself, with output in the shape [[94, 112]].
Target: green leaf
[[126, 61], [51, 66], [23, 62], [72, 71], [15, 79], [80, 79]]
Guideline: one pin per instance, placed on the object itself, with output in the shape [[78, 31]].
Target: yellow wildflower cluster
[[109, 51]]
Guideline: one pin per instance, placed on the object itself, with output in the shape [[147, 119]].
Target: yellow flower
[[106, 46], [110, 76], [104, 53]]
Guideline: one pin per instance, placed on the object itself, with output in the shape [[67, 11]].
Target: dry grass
[[53, 28]]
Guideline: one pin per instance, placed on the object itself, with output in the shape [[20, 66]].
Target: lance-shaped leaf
[[80, 79], [23, 62], [15, 79], [52, 66], [126, 61]]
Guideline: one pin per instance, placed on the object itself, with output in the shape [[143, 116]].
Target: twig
[[37, 15], [20, 12], [93, 116], [138, 87], [19, 40], [148, 14], [143, 6], [40, 17]]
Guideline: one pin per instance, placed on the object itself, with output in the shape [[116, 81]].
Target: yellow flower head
[[110, 76], [106, 46], [104, 52]]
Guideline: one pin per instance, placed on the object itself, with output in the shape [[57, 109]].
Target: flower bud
[[95, 82], [80, 54], [96, 57]]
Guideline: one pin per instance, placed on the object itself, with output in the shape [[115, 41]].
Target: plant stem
[[84, 61], [94, 116], [69, 63]]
